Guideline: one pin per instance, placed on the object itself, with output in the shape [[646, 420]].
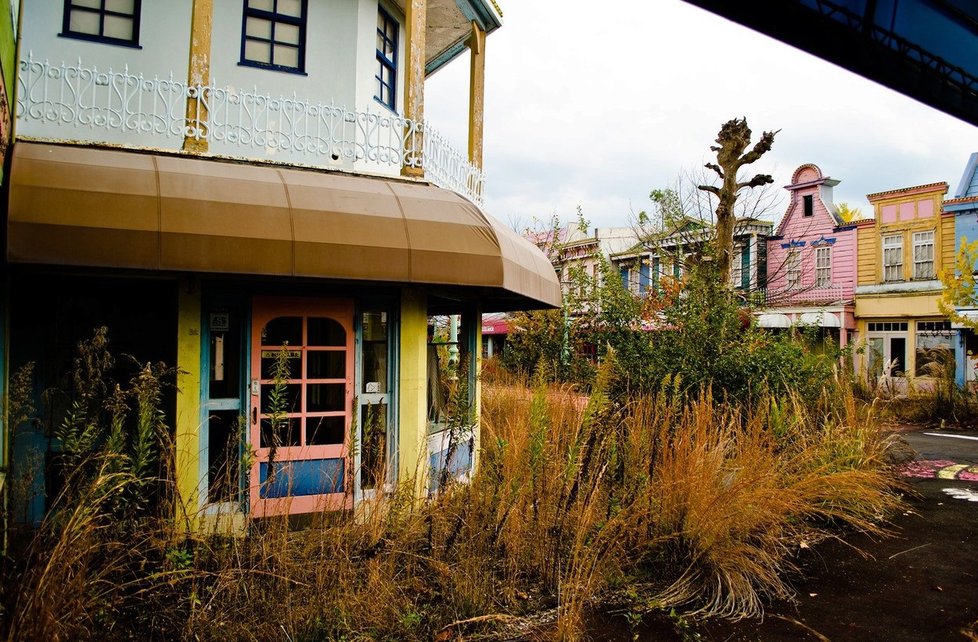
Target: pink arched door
[[300, 429]]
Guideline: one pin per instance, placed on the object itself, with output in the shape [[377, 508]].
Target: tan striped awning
[[83, 206]]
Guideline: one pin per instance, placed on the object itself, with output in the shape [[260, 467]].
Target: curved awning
[[73, 205], [819, 319], [773, 320]]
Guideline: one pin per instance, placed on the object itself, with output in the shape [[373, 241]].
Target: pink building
[[811, 267]]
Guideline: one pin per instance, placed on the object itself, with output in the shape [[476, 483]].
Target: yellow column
[[477, 90], [187, 441], [199, 71], [415, 17], [412, 395]]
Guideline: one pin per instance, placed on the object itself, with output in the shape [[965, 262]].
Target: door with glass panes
[[301, 405]]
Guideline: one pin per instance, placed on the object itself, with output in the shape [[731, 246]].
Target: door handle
[[254, 415]]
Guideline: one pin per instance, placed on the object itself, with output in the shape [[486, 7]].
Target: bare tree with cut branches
[[732, 142]]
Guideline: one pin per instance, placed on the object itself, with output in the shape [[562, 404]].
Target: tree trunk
[[733, 139]]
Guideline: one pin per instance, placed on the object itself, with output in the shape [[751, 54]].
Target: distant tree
[[848, 214], [732, 141], [960, 285], [667, 212]]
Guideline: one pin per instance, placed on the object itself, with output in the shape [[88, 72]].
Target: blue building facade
[[964, 205]]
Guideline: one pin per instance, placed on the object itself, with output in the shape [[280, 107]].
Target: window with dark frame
[[809, 204], [273, 35], [110, 21], [386, 59]]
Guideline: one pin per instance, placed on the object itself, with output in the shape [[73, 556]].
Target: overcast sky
[[593, 104]]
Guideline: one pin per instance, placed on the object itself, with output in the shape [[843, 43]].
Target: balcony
[[81, 103], [806, 295]]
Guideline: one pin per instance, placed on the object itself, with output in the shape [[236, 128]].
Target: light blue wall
[[965, 230]]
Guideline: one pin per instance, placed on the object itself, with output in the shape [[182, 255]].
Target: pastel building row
[[873, 281]]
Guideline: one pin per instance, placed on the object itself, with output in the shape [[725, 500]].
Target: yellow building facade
[[901, 250]]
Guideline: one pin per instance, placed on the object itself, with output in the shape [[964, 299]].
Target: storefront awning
[[83, 206], [772, 320], [819, 319]]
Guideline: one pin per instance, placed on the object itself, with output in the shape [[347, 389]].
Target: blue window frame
[[110, 21], [273, 35], [386, 59]]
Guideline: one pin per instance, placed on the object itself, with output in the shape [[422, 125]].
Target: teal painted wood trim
[[745, 267]]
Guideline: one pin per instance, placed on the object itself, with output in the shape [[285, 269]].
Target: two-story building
[[900, 252], [219, 181], [643, 265], [811, 266]]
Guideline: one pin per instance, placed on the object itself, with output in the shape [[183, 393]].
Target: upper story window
[[823, 267], [809, 204], [793, 269], [386, 59], [273, 35], [111, 21], [893, 257], [923, 255]]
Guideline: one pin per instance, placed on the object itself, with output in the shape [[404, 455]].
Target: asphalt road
[[958, 446]]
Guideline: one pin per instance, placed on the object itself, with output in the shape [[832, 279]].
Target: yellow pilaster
[[416, 20], [477, 91], [413, 391], [199, 71], [187, 442]]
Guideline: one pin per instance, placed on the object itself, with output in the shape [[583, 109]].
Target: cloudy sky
[[594, 104]]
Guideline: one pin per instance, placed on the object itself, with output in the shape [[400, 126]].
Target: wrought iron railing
[[781, 296], [162, 112]]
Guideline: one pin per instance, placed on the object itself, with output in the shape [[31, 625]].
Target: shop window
[[374, 397], [451, 384], [935, 349], [448, 372], [110, 21]]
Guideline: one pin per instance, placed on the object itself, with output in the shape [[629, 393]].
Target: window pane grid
[[893, 258], [823, 267], [793, 269], [923, 255], [110, 21], [274, 34], [386, 59]]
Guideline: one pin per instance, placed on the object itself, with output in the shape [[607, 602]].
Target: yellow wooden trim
[[477, 91], [412, 392], [187, 442], [199, 70], [415, 22]]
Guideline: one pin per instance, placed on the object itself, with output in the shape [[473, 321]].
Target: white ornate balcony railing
[[246, 123], [783, 296]]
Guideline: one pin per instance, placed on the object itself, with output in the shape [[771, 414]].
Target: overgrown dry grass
[[679, 503]]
